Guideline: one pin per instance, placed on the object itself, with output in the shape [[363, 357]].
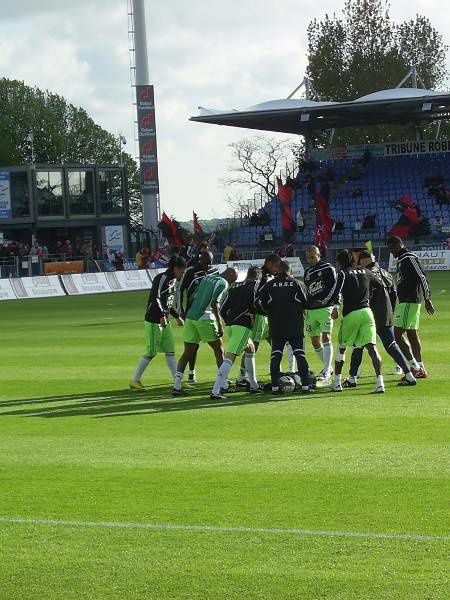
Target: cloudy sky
[[215, 53]]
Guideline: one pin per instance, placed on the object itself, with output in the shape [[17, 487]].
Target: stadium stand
[[376, 190]]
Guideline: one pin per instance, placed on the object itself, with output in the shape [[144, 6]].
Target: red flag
[[170, 231], [285, 196], [324, 223], [197, 227]]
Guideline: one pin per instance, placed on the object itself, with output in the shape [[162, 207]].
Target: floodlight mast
[[150, 198]]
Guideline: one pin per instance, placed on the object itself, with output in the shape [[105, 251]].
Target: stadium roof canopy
[[398, 106]]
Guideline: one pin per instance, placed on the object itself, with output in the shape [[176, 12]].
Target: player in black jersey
[[186, 291], [260, 329], [382, 302], [238, 313], [158, 331], [284, 299], [321, 282], [358, 325], [412, 286]]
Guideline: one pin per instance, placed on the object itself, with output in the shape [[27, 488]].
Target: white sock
[[409, 376], [337, 379], [222, 376], [353, 379], [319, 352], [380, 381], [177, 380], [422, 366], [143, 364], [192, 372], [172, 364], [414, 364], [327, 357], [291, 360], [250, 365]]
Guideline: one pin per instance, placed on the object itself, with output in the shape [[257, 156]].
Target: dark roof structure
[[398, 106]]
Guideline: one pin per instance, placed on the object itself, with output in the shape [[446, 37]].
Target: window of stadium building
[[111, 192], [81, 192], [49, 191], [20, 194]]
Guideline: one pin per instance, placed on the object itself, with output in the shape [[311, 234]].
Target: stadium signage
[[148, 154], [124, 281], [37, 287], [431, 260], [5, 196], [408, 148], [6, 290], [85, 283]]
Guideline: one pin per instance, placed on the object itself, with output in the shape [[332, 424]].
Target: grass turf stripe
[[408, 537]]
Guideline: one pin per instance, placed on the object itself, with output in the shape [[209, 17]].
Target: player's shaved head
[[366, 258], [230, 275], [312, 255], [206, 258], [271, 263], [395, 245]]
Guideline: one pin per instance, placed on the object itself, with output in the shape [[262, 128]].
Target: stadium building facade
[[52, 203]]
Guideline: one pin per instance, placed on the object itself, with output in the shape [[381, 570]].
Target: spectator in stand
[[34, 249], [369, 222], [234, 254], [227, 252], [66, 249], [300, 218], [439, 223], [43, 251], [119, 261], [358, 225]]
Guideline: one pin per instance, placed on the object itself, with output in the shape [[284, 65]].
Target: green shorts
[[158, 339], [407, 315], [357, 329], [195, 332], [238, 337], [318, 320], [260, 330]]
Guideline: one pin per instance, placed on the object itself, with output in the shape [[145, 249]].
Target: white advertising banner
[[86, 283], [123, 281], [152, 273], [114, 240], [431, 260], [6, 290], [5, 195], [242, 266], [37, 287]]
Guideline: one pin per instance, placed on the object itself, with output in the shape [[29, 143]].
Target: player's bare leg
[[338, 366], [191, 377], [217, 347], [190, 351], [416, 347], [376, 362], [406, 348]]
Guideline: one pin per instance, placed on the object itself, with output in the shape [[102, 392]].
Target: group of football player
[[271, 305]]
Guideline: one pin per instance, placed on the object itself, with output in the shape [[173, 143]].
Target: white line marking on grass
[[440, 292], [218, 529]]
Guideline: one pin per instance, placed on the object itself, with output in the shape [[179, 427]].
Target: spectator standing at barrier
[[227, 252]]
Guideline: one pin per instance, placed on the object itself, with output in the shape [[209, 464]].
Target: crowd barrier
[[78, 284]]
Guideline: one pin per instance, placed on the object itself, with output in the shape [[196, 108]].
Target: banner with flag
[[285, 196], [324, 223], [198, 229], [170, 230]]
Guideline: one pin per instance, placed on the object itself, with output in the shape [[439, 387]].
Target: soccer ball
[[286, 384], [297, 380]]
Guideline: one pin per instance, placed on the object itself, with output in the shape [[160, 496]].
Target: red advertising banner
[[148, 154]]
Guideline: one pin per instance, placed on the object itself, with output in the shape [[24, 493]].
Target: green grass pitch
[[78, 448]]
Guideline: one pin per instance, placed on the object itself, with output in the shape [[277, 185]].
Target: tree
[[364, 51], [62, 133], [256, 162]]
